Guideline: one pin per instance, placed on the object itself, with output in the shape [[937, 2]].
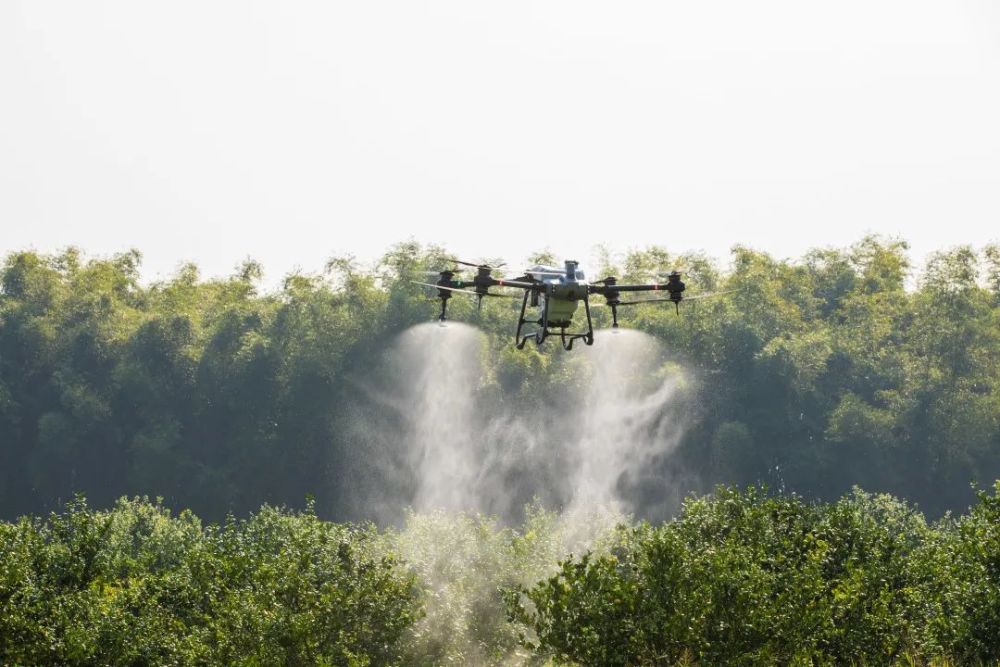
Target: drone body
[[554, 296]]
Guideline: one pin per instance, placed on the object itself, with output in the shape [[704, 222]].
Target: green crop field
[[736, 578]]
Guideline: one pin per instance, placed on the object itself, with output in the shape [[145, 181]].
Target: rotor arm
[[611, 290], [674, 286]]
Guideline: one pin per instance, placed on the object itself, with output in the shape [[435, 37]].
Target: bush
[[962, 604], [136, 586], [740, 578]]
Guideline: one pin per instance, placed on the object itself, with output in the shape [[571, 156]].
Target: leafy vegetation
[[739, 577], [136, 586], [742, 578], [815, 375]]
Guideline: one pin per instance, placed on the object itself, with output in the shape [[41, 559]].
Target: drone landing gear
[[614, 315], [544, 331], [567, 340]]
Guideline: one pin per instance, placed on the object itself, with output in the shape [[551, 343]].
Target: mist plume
[[433, 436]]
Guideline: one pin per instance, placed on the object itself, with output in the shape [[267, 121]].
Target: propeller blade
[[641, 301], [544, 273], [687, 298], [450, 289], [478, 266], [709, 296], [464, 291]]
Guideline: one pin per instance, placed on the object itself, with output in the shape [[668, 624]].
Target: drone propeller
[[687, 298], [478, 266], [544, 273], [435, 273], [709, 295], [465, 291]]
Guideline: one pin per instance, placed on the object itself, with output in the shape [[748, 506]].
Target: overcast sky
[[290, 131]]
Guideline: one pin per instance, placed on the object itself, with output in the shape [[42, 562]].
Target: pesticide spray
[[438, 436], [441, 369], [628, 420]]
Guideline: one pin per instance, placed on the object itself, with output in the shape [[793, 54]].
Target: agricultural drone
[[555, 294]]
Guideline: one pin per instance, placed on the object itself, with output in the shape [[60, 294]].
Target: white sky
[[292, 131]]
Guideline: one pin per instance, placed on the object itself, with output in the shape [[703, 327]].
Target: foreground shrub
[[740, 578], [136, 586], [962, 602]]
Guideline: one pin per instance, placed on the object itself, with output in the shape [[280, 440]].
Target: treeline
[[839, 368], [740, 577]]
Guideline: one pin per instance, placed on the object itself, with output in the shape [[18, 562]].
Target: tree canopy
[[839, 368]]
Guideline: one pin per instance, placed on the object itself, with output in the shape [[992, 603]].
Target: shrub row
[[135, 586], [745, 578], [739, 577]]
